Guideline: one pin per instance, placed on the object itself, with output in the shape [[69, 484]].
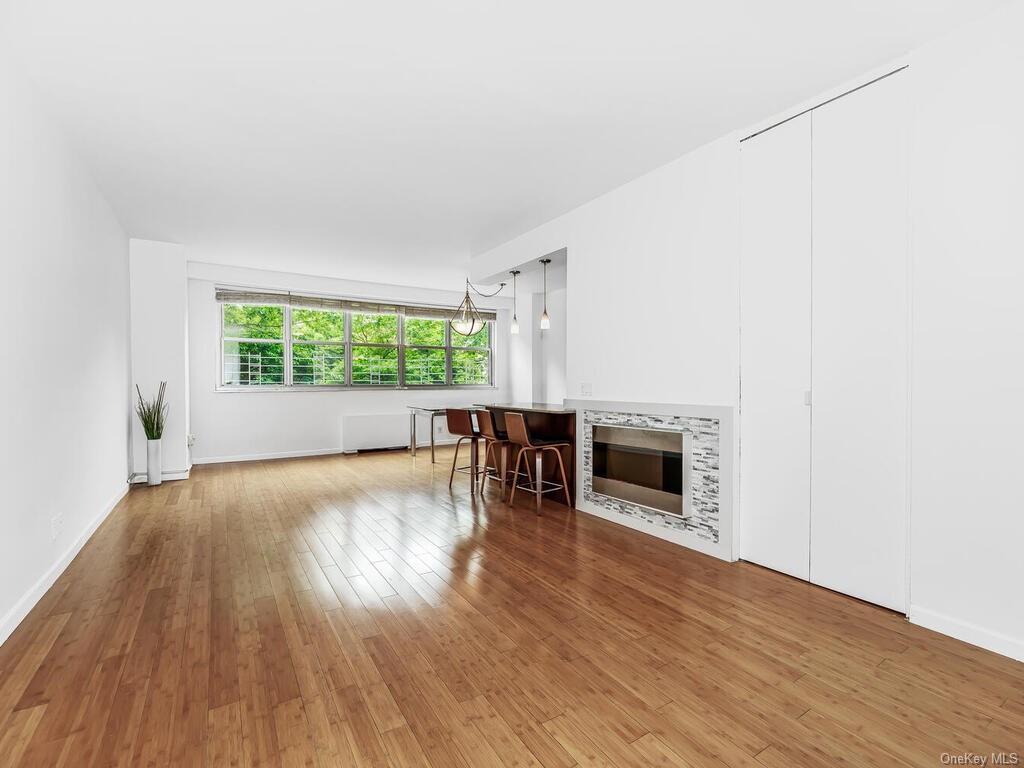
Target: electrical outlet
[[56, 525], [586, 389]]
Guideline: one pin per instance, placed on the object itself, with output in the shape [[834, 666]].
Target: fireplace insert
[[649, 467]]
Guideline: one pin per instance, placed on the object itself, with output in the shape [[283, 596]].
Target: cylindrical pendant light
[[515, 319], [545, 320]]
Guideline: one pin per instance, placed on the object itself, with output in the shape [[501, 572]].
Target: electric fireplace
[[649, 467]]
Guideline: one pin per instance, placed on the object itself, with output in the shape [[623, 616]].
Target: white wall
[[537, 371], [65, 384], [241, 425], [967, 413], [652, 292], [652, 296], [662, 253], [537, 358], [520, 355], [159, 322], [549, 348]]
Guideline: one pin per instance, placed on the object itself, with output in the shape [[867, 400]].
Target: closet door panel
[[775, 348], [859, 345]]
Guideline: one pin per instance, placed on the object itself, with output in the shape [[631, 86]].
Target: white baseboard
[[265, 456], [171, 474], [437, 443], [298, 454], [968, 632], [28, 601]]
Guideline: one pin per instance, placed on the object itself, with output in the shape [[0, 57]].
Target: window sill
[[365, 387]]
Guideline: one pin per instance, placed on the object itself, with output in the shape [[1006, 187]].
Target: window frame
[[287, 342], [490, 356], [446, 348], [397, 346], [284, 342], [346, 349]]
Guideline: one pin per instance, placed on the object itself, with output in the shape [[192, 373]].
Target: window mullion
[[287, 345], [348, 349], [401, 350], [448, 379], [220, 357]]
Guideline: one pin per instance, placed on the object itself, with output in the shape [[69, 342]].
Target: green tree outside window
[[374, 329], [255, 338], [242, 321]]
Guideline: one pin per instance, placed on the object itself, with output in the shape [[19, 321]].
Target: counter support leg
[[412, 432], [539, 478], [503, 467], [472, 466]]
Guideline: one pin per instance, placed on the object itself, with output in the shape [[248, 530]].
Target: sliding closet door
[[775, 348], [859, 344]]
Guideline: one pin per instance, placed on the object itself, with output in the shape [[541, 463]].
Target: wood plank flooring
[[352, 611]]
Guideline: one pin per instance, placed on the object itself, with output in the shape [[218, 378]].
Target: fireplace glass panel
[[643, 466]]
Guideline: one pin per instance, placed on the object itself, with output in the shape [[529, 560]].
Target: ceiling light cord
[[478, 292]]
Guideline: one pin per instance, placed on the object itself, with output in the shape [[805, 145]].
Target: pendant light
[[467, 320], [545, 320], [515, 320]]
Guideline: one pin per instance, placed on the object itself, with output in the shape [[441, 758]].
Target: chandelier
[[467, 320]]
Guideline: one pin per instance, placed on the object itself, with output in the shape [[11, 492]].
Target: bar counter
[[546, 421]]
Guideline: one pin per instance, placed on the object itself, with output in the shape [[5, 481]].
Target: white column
[[159, 348]]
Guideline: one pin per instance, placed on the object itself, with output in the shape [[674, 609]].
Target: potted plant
[[153, 415]]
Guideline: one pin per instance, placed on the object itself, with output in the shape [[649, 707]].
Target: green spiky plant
[[152, 413]]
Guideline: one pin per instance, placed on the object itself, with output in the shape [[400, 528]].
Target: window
[[253, 345], [318, 346], [426, 359], [331, 343], [374, 349], [471, 358]]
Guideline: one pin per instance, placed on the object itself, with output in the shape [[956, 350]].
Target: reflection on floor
[[352, 611]]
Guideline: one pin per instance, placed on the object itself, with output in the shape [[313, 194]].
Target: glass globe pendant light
[[467, 320]]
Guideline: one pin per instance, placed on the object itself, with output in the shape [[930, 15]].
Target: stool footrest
[[531, 487], [496, 474]]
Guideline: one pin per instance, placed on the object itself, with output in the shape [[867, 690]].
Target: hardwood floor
[[352, 611]]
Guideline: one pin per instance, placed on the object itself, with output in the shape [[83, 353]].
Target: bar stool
[[497, 443], [519, 434], [460, 422]]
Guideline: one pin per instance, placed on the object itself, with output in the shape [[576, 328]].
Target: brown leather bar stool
[[460, 422], [498, 445], [519, 434]]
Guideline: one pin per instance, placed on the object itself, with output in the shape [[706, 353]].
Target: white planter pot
[[154, 470]]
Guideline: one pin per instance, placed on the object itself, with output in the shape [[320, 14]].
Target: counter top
[[530, 407], [442, 408]]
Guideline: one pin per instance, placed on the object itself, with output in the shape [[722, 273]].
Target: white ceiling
[[388, 140]]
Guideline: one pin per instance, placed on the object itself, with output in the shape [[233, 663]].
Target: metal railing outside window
[[285, 347]]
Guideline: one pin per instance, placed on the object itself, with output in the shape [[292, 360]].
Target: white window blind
[[280, 340], [241, 296]]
